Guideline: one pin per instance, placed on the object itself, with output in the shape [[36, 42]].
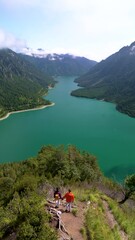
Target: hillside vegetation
[[25, 187], [113, 80], [21, 84]]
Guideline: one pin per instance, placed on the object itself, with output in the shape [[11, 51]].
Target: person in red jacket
[[69, 200]]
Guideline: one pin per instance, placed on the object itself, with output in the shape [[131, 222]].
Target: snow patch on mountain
[[132, 49], [34, 52], [41, 53]]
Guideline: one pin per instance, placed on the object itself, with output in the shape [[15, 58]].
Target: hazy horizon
[[93, 29]]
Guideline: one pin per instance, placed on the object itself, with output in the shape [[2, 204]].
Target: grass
[[124, 216], [96, 226], [96, 223], [74, 211], [83, 232]]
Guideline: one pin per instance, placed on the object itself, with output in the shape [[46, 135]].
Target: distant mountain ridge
[[21, 84], [58, 64], [25, 79], [113, 80]]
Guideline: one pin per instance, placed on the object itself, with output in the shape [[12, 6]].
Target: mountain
[[113, 80], [59, 64], [27, 205], [21, 84]]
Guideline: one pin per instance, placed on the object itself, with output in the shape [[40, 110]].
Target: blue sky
[[91, 28]]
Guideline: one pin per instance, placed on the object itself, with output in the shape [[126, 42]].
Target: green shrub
[[74, 211]]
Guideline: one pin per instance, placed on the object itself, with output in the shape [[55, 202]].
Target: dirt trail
[[112, 222], [72, 223]]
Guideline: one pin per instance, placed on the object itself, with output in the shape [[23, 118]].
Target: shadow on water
[[118, 173]]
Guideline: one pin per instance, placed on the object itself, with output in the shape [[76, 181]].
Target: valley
[[91, 125]]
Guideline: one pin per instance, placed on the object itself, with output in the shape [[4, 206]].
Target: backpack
[[57, 196]]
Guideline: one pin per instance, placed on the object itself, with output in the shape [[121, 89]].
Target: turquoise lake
[[91, 125]]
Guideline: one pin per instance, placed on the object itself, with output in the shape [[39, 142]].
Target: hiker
[[57, 197], [69, 200]]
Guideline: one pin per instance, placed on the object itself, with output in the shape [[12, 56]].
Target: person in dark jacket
[[57, 197]]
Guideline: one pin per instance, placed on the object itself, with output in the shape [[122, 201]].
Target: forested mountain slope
[[26, 186], [113, 80], [21, 84], [61, 64]]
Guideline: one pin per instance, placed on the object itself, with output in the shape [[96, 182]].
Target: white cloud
[[53, 5], [8, 40], [96, 28], [13, 4], [71, 5]]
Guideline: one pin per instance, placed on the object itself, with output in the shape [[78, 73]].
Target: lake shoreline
[[26, 110]]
